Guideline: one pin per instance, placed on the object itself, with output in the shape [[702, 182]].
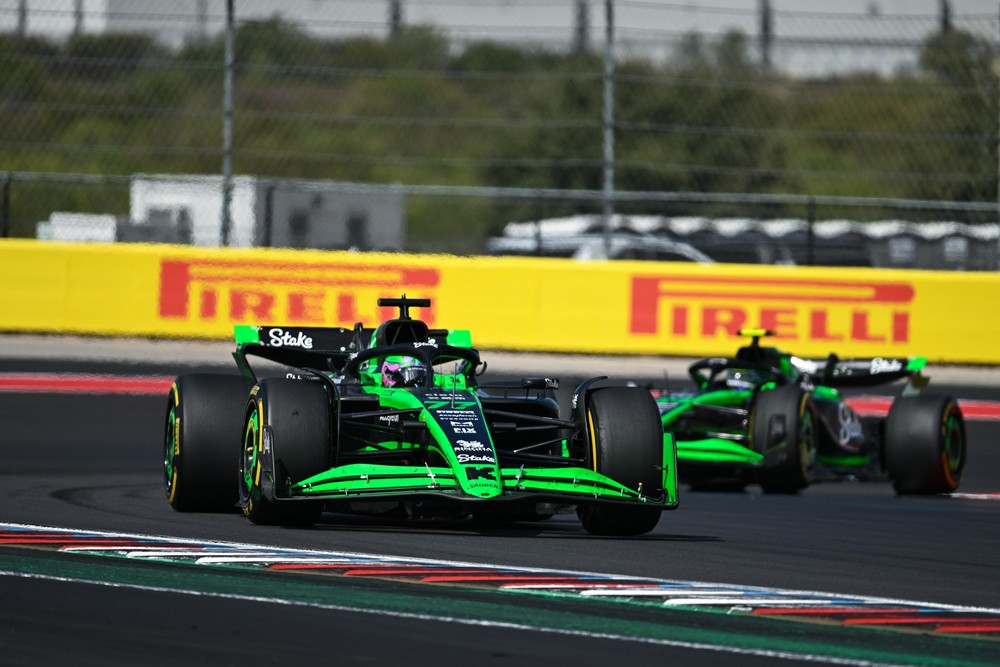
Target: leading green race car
[[394, 421], [769, 417]]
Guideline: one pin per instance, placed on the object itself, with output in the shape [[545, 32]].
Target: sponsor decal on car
[[282, 338], [473, 451], [476, 458], [447, 406], [880, 365]]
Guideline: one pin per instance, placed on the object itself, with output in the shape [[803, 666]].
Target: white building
[[289, 214]]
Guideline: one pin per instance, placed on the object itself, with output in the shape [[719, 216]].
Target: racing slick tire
[[783, 429], [925, 446], [201, 438], [287, 436], [626, 437]]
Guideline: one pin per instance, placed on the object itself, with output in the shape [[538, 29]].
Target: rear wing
[[836, 372], [322, 348], [325, 348]]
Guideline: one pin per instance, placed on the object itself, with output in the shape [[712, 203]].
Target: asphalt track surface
[[93, 462]]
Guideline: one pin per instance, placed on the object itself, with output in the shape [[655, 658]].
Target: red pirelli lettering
[[305, 307], [306, 293], [722, 320], [794, 308]]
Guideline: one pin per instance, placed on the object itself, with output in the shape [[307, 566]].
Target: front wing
[[358, 481], [717, 451]]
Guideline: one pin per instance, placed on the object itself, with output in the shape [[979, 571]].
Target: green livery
[[395, 420], [768, 417]]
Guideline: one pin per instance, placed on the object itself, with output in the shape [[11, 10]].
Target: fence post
[[5, 207], [766, 35], [268, 230], [227, 128], [810, 232], [609, 125], [395, 17], [22, 18], [539, 236], [945, 16], [581, 33]]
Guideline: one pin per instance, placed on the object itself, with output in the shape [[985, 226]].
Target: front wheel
[[201, 438], [925, 444], [286, 439], [626, 437], [783, 429]]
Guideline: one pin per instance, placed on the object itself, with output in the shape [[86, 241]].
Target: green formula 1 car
[[768, 417], [394, 421]]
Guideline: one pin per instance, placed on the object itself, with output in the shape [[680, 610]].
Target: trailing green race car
[[394, 420], [769, 417]]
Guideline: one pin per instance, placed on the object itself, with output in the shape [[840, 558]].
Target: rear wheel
[[626, 437], [783, 429], [201, 438], [925, 444], [286, 439]]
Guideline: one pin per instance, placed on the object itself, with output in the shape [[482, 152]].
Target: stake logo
[[319, 294], [796, 309]]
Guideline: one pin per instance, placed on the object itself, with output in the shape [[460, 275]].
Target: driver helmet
[[403, 372]]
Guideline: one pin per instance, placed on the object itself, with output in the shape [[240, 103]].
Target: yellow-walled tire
[[287, 436], [626, 436], [201, 441], [784, 428]]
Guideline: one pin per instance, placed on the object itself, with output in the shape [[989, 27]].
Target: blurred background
[[760, 131]]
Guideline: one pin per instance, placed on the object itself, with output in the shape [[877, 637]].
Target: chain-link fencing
[[758, 107]]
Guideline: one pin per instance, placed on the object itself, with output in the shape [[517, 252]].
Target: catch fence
[[489, 113]]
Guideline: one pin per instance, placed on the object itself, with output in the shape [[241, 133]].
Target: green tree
[[964, 107]]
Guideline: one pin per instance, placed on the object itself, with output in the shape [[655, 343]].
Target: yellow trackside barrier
[[623, 307]]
